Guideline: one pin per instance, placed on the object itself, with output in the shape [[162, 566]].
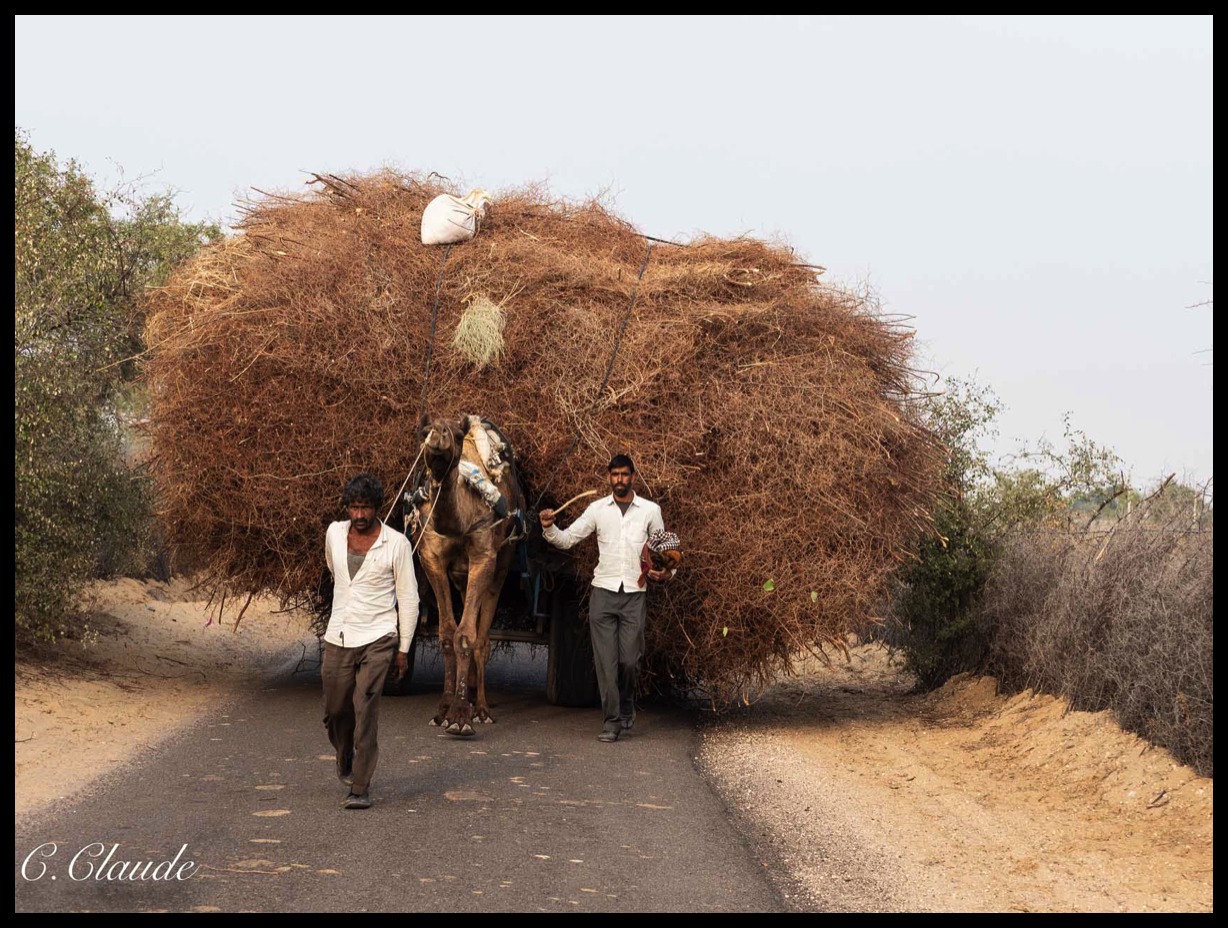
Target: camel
[[466, 516]]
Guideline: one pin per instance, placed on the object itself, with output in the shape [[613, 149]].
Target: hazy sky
[[1035, 192]]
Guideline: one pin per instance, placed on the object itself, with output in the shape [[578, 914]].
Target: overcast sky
[[1035, 192]]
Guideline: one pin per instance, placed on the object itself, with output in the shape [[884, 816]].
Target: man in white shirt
[[618, 602], [374, 614]]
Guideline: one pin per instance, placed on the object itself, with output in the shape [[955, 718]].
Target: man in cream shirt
[[618, 604], [374, 614]]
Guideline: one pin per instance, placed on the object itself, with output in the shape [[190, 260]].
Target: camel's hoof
[[453, 729], [486, 720], [435, 722], [466, 729]]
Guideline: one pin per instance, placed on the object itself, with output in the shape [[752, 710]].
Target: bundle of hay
[[770, 416]]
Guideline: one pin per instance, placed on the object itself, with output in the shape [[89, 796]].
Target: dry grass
[[479, 332], [771, 417], [1119, 619]]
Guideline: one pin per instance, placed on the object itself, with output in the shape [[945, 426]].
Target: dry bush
[[771, 417], [1116, 619]]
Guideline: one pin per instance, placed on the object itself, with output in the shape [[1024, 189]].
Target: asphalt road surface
[[243, 812]]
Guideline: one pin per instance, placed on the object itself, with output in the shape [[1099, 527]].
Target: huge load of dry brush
[[771, 416]]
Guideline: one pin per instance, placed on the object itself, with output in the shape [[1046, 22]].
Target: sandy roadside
[[961, 800], [154, 664]]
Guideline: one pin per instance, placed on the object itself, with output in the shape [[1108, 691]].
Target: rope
[[438, 493], [422, 533], [396, 499], [635, 292], [426, 378], [430, 345]]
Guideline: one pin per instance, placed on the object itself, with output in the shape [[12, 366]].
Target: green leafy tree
[[939, 624], [81, 259], [934, 606], [1083, 478]]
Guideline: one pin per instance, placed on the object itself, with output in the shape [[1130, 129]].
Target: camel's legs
[[481, 654], [481, 573], [437, 574]]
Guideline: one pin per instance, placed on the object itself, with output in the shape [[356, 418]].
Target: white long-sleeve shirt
[[620, 539], [381, 598]]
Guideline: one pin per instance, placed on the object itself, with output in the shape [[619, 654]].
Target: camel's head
[[441, 442]]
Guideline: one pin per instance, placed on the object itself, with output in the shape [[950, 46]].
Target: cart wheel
[[571, 679]]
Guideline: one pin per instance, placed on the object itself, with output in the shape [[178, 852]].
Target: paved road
[[533, 814]]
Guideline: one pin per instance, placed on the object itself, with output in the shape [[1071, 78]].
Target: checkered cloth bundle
[[663, 551]]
